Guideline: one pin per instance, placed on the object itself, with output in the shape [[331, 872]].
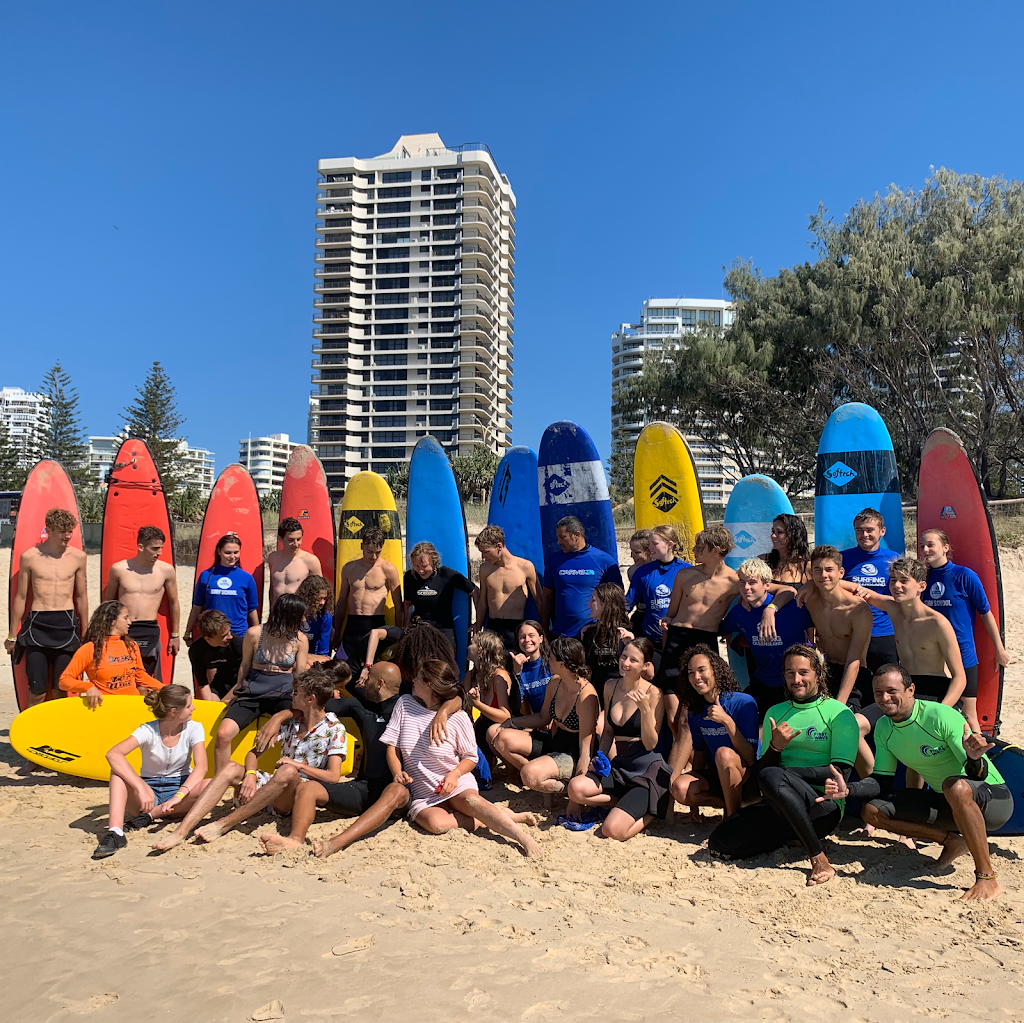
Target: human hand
[[663, 624], [9, 645], [189, 640], [299, 765], [625, 635], [173, 646], [862, 592], [147, 800], [835, 786], [247, 789], [438, 729], [647, 671], [642, 698], [265, 738], [520, 659], [802, 594], [164, 808], [717, 713], [782, 735], [93, 697], [448, 784], [473, 693], [403, 778], [1002, 657], [766, 628], [976, 744]]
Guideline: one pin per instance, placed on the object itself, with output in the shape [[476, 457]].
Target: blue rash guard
[[709, 736], [791, 625], [574, 577], [652, 586], [871, 570], [957, 593], [232, 591]]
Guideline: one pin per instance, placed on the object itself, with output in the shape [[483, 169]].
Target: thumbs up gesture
[[717, 713]]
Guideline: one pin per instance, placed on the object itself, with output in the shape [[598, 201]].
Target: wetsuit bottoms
[[925, 806], [788, 811], [48, 640], [508, 629], [971, 689], [355, 797], [862, 696], [881, 650], [932, 687], [244, 710], [356, 638], [677, 642], [147, 635]]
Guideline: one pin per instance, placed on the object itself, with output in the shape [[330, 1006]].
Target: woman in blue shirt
[[318, 596], [226, 587]]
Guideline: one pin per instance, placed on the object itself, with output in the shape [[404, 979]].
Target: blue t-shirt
[[871, 570], [318, 632], [574, 577], [533, 681], [652, 586], [791, 623], [709, 736], [957, 593], [232, 591]]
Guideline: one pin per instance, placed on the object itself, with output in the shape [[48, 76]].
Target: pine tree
[[62, 438], [153, 417], [12, 472]]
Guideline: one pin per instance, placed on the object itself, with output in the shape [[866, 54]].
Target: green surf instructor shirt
[[931, 741]]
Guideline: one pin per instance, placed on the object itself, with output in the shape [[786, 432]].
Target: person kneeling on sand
[[165, 787], [313, 746], [442, 789]]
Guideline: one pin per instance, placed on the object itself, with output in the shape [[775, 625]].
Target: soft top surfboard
[[367, 502], [950, 498], [435, 514], [755, 502], [67, 737], [136, 498], [304, 496], [571, 481], [47, 487], [665, 485], [234, 507], [856, 470], [513, 505]]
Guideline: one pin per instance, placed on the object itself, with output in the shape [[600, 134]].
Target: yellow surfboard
[[65, 736], [367, 502], [665, 484]]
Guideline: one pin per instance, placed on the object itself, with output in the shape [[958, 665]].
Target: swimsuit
[[147, 635], [48, 640]]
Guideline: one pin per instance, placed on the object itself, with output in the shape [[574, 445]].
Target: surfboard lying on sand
[[304, 496]]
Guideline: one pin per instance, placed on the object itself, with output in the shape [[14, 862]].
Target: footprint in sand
[[86, 1004], [546, 1012]]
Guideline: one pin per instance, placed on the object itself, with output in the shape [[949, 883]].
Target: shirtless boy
[[54, 575], [365, 585], [505, 581], [140, 583], [290, 565]]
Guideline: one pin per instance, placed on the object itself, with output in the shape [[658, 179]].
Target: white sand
[[408, 926]]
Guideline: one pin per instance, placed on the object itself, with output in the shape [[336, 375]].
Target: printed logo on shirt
[[757, 640], [743, 539], [223, 582], [426, 591], [932, 751], [948, 512], [664, 494], [936, 590], [839, 474], [124, 659], [869, 569], [576, 571], [713, 730], [816, 735], [661, 590]]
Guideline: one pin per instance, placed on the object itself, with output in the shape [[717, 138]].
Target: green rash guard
[[931, 741], [828, 735]]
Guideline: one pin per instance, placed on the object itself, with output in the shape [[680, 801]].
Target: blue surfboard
[[856, 470], [435, 514], [571, 481]]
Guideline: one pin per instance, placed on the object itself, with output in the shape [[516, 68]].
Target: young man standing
[[505, 583], [571, 577], [430, 587], [53, 574], [141, 583], [290, 565], [652, 581], [215, 657]]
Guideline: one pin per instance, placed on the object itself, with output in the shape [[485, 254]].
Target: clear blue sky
[[649, 145]]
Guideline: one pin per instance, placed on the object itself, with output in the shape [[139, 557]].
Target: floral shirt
[[328, 739]]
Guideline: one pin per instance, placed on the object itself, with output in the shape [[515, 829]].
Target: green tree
[[475, 472], [153, 416], [397, 478], [187, 504], [12, 472], [62, 437]]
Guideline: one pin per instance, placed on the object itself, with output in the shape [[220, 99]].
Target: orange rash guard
[[120, 672]]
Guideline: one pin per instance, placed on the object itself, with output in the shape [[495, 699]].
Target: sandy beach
[[461, 927]]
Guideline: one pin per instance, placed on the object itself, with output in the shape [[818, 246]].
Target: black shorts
[[971, 689], [631, 799], [932, 687], [244, 710], [355, 797], [678, 640], [862, 694], [765, 696], [508, 630], [48, 641], [356, 638], [926, 806], [147, 635], [881, 650]]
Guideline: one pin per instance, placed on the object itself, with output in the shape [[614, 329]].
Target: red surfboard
[[47, 487], [234, 507], [136, 498], [950, 498], [304, 496]]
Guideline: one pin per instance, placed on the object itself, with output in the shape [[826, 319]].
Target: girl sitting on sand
[[443, 792], [488, 684], [318, 596], [165, 787], [531, 666]]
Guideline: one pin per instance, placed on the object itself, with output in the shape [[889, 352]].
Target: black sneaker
[[109, 844], [144, 820]]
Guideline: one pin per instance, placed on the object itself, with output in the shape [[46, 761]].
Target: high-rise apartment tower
[[415, 283]]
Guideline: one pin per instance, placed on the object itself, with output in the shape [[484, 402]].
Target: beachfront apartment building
[[266, 458], [197, 464], [664, 323], [24, 415], [413, 307]]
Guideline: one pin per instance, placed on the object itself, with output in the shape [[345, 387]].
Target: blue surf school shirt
[[318, 632], [534, 677], [871, 570], [232, 591], [710, 737], [651, 586], [574, 578], [957, 593], [791, 625]]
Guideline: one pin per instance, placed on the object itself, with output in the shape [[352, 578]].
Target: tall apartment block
[[415, 284], [664, 323], [266, 458], [25, 416]]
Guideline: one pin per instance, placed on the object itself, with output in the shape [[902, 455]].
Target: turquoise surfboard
[[856, 470], [435, 514]]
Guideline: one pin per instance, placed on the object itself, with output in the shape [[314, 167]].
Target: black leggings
[[788, 811]]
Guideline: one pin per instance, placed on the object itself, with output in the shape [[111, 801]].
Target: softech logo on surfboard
[[664, 494], [839, 474], [506, 479], [743, 539]]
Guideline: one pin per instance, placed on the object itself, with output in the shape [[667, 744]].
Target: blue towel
[[601, 765], [482, 769]]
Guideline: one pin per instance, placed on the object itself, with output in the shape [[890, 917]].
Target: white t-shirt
[[160, 761]]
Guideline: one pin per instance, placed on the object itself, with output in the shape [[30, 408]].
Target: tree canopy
[[153, 417], [62, 437]]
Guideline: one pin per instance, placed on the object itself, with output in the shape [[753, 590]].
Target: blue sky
[[649, 145]]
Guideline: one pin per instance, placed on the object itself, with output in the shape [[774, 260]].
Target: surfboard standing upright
[[950, 498], [47, 487], [304, 496], [435, 514], [856, 470], [136, 498]]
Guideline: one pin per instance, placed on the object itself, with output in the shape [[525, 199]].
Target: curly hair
[[319, 681], [101, 626], [569, 651], [422, 642], [816, 661], [60, 520], [424, 549], [491, 657], [309, 592], [796, 539], [725, 680]]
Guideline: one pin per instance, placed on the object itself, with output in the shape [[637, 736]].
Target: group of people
[[615, 697]]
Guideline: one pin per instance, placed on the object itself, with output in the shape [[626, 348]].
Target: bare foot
[[982, 889], [532, 848], [168, 841], [821, 871], [693, 816], [279, 843], [209, 833], [953, 848], [908, 842], [531, 820]]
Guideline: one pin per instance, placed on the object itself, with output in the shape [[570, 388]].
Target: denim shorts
[[164, 788]]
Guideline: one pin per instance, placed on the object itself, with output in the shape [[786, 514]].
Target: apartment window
[[393, 207], [441, 266], [384, 346], [398, 298], [447, 175], [388, 453], [446, 204], [711, 316], [395, 238], [332, 451], [661, 313], [369, 178], [389, 406], [390, 360], [384, 421], [688, 317], [389, 437], [425, 175], [392, 253], [444, 311], [442, 389], [401, 313], [440, 420], [338, 177], [441, 359], [448, 218], [395, 282], [391, 391], [393, 268], [444, 250], [392, 177], [446, 189], [337, 268], [392, 222], [439, 374], [390, 374], [443, 282], [391, 328], [393, 193], [443, 342]]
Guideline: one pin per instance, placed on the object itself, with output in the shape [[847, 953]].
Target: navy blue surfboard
[[435, 514], [1009, 762], [856, 470]]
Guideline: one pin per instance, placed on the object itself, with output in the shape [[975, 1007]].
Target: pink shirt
[[409, 732]]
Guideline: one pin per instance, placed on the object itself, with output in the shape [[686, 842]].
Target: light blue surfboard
[[571, 481], [856, 470], [435, 514], [753, 505]]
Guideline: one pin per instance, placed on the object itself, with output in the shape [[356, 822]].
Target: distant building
[[197, 463], [24, 415], [102, 452], [664, 323], [266, 458]]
